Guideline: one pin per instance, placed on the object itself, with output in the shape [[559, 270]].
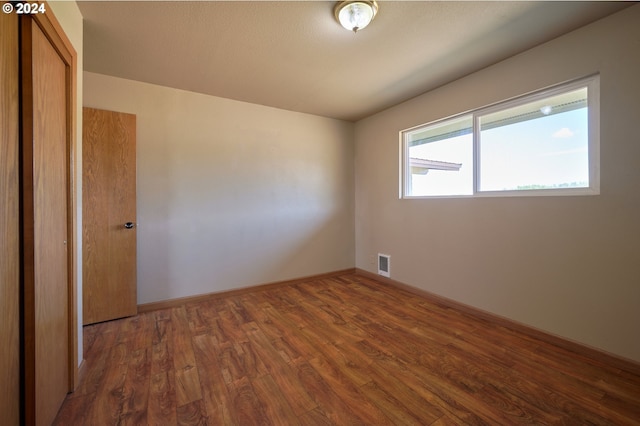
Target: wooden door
[[47, 222], [50, 228], [108, 215], [9, 223]]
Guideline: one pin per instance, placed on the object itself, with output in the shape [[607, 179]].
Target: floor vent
[[384, 265]]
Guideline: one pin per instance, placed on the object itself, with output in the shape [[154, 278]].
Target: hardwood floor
[[347, 351]]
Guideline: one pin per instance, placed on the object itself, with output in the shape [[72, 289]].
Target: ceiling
[[295, 56]]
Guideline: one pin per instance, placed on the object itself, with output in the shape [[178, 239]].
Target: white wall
[[70, 18], [232, 194], [567, 265]]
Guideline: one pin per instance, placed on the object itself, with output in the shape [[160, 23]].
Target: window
[[545, 143]]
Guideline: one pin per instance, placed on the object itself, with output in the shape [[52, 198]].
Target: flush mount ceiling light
[[354, 15]]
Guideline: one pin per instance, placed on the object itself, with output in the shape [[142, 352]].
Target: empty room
[[320, 213]]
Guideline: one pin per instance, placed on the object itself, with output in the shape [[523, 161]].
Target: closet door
[[9, 223], [47, 208]]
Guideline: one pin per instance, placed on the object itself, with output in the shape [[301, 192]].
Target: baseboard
[[579, 349], [173, 303]]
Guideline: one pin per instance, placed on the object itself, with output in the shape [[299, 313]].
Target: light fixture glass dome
[[355, 15]]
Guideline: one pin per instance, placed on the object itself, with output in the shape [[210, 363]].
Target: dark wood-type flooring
[[346, 350]]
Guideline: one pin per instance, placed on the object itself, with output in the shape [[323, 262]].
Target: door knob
[[129, 225]]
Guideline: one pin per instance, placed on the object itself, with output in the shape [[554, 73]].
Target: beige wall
[[567, 265], [70, 18], [232, 194]]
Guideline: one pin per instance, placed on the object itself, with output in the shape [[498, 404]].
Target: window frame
[[591, 83]]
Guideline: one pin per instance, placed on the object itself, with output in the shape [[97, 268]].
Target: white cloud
[[563, 133]]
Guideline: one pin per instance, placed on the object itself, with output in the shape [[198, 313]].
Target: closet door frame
[[56, 36], [9, 221]]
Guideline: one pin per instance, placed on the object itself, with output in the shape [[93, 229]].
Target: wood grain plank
[[186, 372], [275, 402], [136, 388], [348, 361], [349, 393], [447, 421], [279, 370], [201, 316], [162, 399], [162, 394], [192, 414], [137, 332], [315, 417], [246, 404], [215, 394], [162, 358], [161, 327], [435, 392], [391, 406], [107, 401], [330, 404], [410, 403], [187, 386], [74, 411]]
